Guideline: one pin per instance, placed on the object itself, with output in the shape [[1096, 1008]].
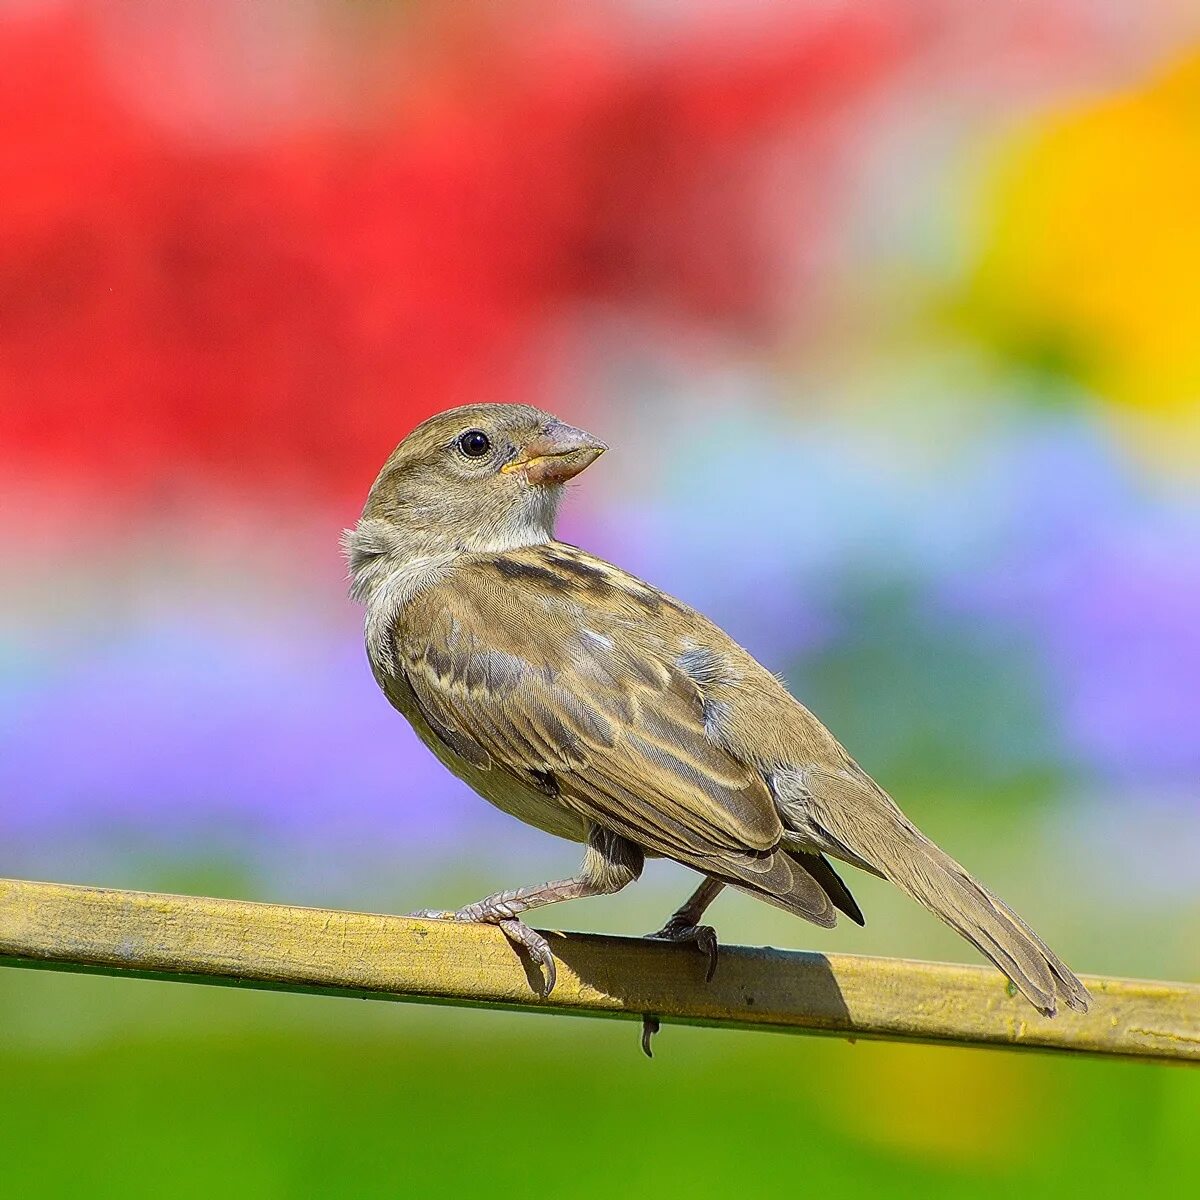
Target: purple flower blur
[[1104, 578], [267, 733]]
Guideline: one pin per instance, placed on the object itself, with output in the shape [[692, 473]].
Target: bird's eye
[[474, 443]]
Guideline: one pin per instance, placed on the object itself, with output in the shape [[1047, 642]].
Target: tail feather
[[946, 889], [779, 879], [801, 882], [821, 869], [855, 820]]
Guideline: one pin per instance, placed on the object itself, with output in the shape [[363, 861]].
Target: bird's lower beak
[[557, 454]]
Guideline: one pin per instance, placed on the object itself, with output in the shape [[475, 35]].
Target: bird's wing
[[562, 671], [829, 804]]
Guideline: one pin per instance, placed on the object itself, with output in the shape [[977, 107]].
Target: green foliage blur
[[149, 1089], [130, 1088]]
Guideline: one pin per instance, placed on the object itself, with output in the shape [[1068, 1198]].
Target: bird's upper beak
[[557, 454]]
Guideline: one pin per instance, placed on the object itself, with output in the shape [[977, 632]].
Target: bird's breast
[[529, 804]]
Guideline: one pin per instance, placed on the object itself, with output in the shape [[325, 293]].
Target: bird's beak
[[557, 454]]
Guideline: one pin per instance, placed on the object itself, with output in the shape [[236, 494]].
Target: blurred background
[[891, 314]]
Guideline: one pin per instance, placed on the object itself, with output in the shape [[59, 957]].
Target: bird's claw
[[703, 937], [650, 1026], [537, 947], [516, 931]]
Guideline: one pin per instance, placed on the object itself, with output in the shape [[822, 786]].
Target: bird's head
[[477, 478]]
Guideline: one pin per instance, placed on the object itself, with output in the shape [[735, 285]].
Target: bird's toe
[[538, 949], [703, 937]]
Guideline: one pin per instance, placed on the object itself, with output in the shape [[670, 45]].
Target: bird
[[592, 705]]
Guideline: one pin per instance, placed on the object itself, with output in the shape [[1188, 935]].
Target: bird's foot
[[517, 932], [537, 948], [703, 937]]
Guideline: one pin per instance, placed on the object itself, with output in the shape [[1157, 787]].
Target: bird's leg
[[610, 863], [684, 924]]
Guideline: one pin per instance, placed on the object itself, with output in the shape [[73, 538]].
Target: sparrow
[[594, 706]]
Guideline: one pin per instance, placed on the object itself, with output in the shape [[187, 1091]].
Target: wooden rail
[[241, 944]]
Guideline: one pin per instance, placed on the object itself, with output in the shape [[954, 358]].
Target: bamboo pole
[[243, 944]]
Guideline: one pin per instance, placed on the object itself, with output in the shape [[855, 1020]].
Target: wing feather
[[581, 683]]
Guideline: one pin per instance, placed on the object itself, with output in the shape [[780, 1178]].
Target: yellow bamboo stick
[[239, 943]]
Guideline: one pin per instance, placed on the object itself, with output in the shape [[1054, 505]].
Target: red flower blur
[[179, 306]]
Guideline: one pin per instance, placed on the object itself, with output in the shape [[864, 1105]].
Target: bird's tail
[[930, 875], [869, 831]]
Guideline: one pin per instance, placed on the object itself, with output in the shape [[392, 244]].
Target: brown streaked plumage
[[590, 704]]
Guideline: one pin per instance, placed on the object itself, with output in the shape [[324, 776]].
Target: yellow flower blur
[[1091, 255]]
